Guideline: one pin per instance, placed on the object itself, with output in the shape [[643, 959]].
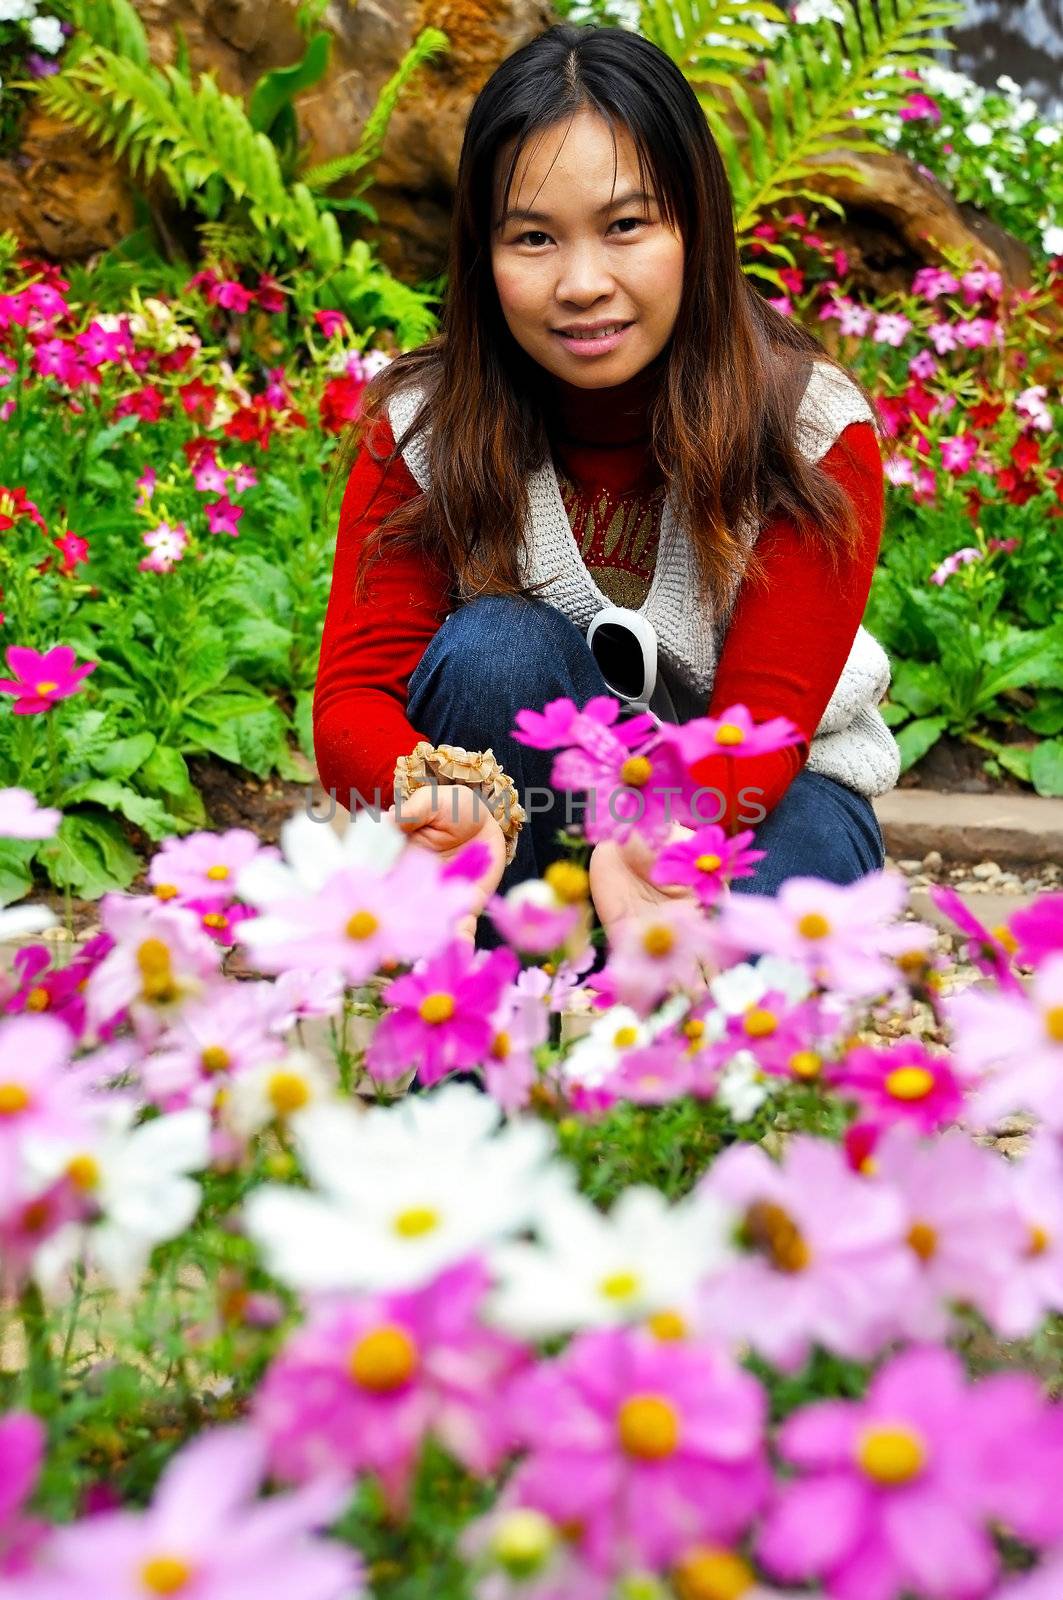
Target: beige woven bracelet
[[478, 769]]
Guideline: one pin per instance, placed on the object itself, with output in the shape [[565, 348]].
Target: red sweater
[[788, 640]]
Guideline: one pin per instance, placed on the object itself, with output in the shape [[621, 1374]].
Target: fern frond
[[114, 24], [430, 42], [812, 84], [711, 41]]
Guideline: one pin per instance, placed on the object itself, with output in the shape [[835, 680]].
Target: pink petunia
[[904, 1083], [441, 1016], [362, 1384], [41, 681], [891, 328], [958, 452], [826, 1261], [646, 1446], [894, 1496]]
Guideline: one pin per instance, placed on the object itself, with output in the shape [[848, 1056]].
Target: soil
[[956, 767]]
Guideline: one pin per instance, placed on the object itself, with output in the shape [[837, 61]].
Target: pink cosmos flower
[[532, 919], [230, 1030], [1014, 1043], [958, 452], [706, 861], [656, 1074], [1034, 1286], [891, 328], [223, 516], [519, 1025], [161, 958], [22, 1440], [664, 948], [441, 1019], [1038, 929], [842, 934], [826, 1260], [631, 783], [205, 865], [41, 681], [902, 1084], [22, 818], [891, 1500], [219, 920], [205, 1531], [39, 1097], [983, 949], [561, 722], [648, 1446], [785, 1037], [962, 1229], [360, 1386], [732, 733]]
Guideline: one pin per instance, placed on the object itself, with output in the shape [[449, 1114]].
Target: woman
[[708, 465]]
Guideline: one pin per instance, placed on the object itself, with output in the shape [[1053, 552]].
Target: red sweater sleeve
[[370, 647], [791, 632]]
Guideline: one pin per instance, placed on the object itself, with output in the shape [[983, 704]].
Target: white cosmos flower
[[400, 1196], [276, 1091], [591, 1270], [136, 1180], [594, 1057], [742, 985], [314, 852], [743, 1087]]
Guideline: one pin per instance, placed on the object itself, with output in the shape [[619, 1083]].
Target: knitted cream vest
[[852, 742]]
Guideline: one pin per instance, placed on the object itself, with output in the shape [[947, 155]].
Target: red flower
[[894, 413], [177, 360], [197, 398], [146, 403], [252, 424], [1026, 452], [270, 295], [197, 447], [984, 414], [1018, 489], [14, 504], [340, 402], [920, 401], [74, 551]]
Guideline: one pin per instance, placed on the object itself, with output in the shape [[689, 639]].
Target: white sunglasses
[[624, 645]]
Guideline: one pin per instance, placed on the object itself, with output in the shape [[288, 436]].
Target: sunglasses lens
[[619, 655]]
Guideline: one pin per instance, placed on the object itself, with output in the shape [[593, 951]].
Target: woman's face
[[581, 258]]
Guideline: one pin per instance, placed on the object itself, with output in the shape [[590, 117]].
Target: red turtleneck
[[783, 654]]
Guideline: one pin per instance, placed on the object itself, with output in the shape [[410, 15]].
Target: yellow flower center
[[708, 863], [658, 940], [909, 1083], [694, 1028], [165, 1575], [759, 1024], [667, 1326], [213, 919], [83, 1172], [38, 999], [436, 1008], [1003, 935], [415, 1222], [287, 1092], [620, 1285], [636, 772], [813, 925], [500, 1046], [806, 1064], [923, 1240], [362, 925], [46, 686], [569, 882], [729, 733], [709, 1573], [1040, 1239], [215, 1058], [14, 1097], [157, 982], [165, 891], [384, 1359], [522, 1542], [774, 1233], [625, 1037], [218, 874], [891, 1455], [648, 1425], [1054, 1024]]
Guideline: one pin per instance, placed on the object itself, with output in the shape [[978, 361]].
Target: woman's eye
[[640, 222]]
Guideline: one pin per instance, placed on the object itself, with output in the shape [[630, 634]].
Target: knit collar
[[618, 415]]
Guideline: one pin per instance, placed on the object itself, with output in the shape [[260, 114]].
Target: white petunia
[[47, 34], [135, 1181], [994, 179], [979, 133], [17, 10], [590, 1270], [401, 1192]]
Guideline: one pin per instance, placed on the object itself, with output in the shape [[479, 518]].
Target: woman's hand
[[620, 881], [446, 818]]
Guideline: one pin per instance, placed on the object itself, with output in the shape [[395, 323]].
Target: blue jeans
[[497, 654]]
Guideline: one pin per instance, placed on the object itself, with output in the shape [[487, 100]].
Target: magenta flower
[[21, 1453], [39, 1096], [826, 1261], [920, 107], [892, 1500], [784, 1037], [982, 948], [41, 681], [630, 780], [930, 283], [441, 1016], [223, 515], [330, 322], [167, 546], [1038, 930], [360, 1386], [981, 281], [104, 346], [243, 477], [923, 366], [902, 1084], [979, 333], [707, 861], [1015, 1043], [206, 1533], [533, 919], [208, 476], [519, 1025], [732, 733], [205, 865], [958, 452], [942, 336], [664, 948], [647, 1446], [961, 1226], [562, 722], [891, 328]]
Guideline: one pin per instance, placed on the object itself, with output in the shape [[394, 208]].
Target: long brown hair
[[722, 421]]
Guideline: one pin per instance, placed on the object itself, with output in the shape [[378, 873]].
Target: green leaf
[[277, 89], [262, 643], [303, 722], [1046, 767], [1047, 715], [16, 879], [148, 813], [919, 685], [918, 737], [166, 772], [108, 437], [122, 758], [893, 715], [1014, 759], [90, 855]]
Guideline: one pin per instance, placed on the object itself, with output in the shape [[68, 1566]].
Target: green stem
[[75, 1307], [40, 1368]]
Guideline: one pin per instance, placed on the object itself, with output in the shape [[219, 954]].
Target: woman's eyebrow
[[515, 214]]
